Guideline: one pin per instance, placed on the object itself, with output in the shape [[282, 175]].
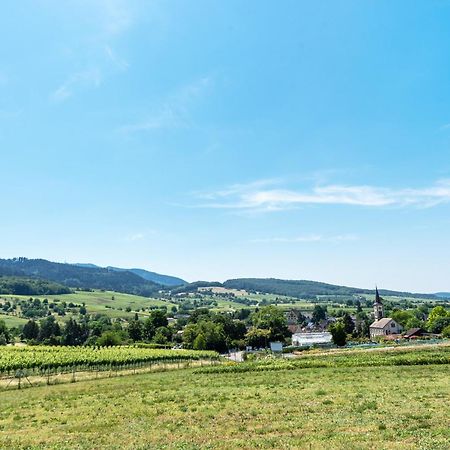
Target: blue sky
[[212, 139]]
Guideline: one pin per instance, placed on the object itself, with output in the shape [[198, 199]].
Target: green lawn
[[405, 407]]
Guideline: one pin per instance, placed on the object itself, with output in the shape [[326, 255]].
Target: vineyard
[[358, 358], [24, 362]]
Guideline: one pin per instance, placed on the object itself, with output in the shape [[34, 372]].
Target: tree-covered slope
[[165, 280], [78, 277], [158, 278], [30, 286], [305, 288]]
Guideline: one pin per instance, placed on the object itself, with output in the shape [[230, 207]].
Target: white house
[[384, 327]]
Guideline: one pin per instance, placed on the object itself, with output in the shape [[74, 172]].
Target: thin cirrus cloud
[[79, 80], [307, 238], [115, 16], [174, 111], [115, 59], [263, 196], [103, 21]]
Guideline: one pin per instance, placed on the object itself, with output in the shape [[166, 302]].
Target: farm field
[[112, 304], [395, 407], [12, 321], [413, 300]]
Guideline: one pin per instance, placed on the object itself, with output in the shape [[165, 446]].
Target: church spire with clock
[[378, 310]]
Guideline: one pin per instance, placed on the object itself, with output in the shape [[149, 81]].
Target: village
[[380, 329]]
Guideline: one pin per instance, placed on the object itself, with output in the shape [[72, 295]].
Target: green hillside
[[111, 304]]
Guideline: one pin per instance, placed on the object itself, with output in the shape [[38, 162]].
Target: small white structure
[[276, 346], [308, 339]]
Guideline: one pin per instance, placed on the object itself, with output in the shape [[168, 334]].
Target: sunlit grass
[[347, 408]]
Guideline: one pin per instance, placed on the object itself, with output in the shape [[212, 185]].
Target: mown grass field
[[394, 407]]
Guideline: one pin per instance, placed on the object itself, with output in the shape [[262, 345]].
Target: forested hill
[[30, 286], [165, 280], [158, 278], [78, 277], [305, 288]]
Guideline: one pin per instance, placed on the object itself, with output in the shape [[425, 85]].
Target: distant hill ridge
[[165, 280], [78, 276], [145, 283], [296, 288]]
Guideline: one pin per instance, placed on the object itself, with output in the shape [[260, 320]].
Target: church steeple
[[378, 306]]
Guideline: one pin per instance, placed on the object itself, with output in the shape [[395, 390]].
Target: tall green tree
[[213, 334], [319, 314], [338, 333], [158, 318], [199, 342], [135, 329], [4, 333], [30, 330], [273, 319], [349, 325], [163, 335], [73, 333], [257, 337], [49, 330]]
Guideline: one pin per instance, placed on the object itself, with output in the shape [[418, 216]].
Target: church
[[383, 326]]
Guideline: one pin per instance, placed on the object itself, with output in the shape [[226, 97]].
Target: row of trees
[[434, 321], [204, 329], [97, 329], [210, 331]]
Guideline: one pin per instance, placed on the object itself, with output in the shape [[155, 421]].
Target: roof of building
[[381, 323], [413, 332]]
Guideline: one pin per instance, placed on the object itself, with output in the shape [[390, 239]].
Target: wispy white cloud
[[175, 110], [115, 16], [115, 59], [102, 23], [237, 189], [308, 238], [85, 79], [135, 237], [259, 196]]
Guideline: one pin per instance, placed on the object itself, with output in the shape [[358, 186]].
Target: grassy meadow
[[393, 407], [12, 321], [112, 304]]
